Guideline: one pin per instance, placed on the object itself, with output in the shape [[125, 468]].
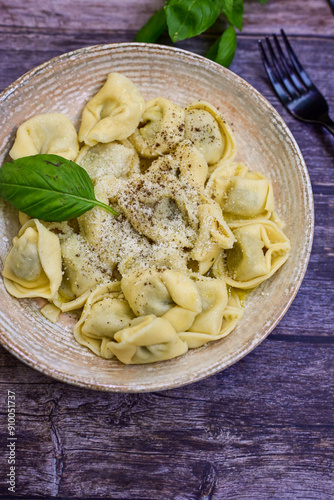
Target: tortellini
[[240, 193], [33, 266], [105, 313], [213, 293], [232, 314], [192, 165], [81, 273], [161, 128], [259, 250], [51, 133], [147, 340], [206, 129], [185, 163], [116, 158], [213, 235], [161, 208], [113, 113], [154, 292], [109, 327], [195, 227]]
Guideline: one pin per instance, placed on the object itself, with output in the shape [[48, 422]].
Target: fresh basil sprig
[[154, 28], [222, 51], [189, 18], [186, 19], [48, 187]]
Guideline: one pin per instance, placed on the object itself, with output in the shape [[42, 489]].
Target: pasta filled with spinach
[[195, 228], [33, 266]]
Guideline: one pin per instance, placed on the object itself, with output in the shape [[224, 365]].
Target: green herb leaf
[[234, 11], [213, 50], [223, 49], [188, 18], [48, 187], [154, 28]]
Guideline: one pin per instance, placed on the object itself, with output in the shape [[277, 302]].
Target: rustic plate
[[64, 84]]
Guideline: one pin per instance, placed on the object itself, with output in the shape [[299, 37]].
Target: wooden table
[[263, 428]]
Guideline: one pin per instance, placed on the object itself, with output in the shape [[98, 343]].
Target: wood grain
[[246, 425], [263, 428], [296, 16]]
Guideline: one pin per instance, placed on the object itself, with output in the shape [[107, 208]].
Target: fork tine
[[281, 72], [287, 77], [290, 71], [280, 91], [295, 61]]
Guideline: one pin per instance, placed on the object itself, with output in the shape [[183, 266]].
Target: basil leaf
[[223, 49], [234, 11], [263, 2], [188, 18], [48, 187], [213, 50], [153, 29]]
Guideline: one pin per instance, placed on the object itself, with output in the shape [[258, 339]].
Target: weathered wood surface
[[297, 16], [263, 428]]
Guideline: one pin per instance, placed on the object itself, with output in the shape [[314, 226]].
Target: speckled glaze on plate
[[64, 84]]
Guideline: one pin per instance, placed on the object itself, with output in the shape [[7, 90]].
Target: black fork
[[292, 85]]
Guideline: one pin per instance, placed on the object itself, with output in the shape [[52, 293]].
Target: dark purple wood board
[[263, 428]]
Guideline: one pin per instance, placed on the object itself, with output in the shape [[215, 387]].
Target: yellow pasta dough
[[206, 129], [240, 193], [116, 158], [259, 250], [81, 271], [113, 113], [33, 266], [161, 128], [51, 133], [147, 340], [232, 314]]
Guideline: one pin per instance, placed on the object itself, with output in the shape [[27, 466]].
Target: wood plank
[[271, 429], [296, 16], [23, 49], [261, 429]]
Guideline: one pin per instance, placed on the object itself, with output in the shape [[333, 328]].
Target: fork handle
[[328, 123]]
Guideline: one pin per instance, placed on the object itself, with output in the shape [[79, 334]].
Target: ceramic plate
[[64, 84]]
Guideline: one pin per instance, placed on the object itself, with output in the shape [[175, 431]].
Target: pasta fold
[[149, 339], [240, 193], [213, 235], [151, 291], [33, 266], [117, 158], [260, 249], [81, 273], [161, 208], [206, 129], [161, 128], [231, 315], [105, 313], [50, 133], [113, 113]]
